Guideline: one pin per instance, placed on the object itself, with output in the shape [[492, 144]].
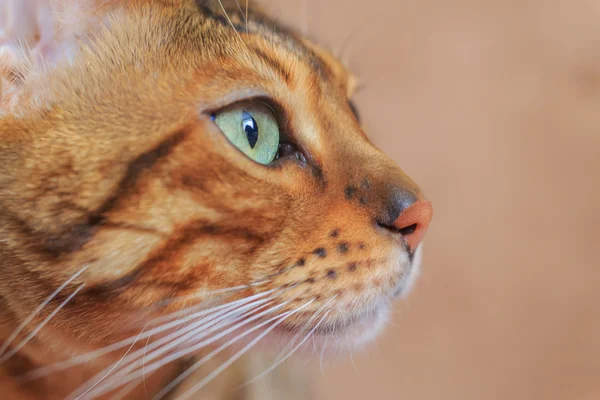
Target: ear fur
[[38, 35]]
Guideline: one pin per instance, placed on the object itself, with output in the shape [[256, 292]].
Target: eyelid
[[258, 99], [269, 106]]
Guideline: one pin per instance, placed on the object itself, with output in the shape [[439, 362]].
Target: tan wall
[[494, 107]]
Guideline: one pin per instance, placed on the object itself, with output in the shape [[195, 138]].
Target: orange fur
[[110, 161]]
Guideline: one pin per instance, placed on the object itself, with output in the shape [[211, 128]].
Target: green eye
[[252, 128]]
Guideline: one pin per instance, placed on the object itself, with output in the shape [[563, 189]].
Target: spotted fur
[[111, 162]]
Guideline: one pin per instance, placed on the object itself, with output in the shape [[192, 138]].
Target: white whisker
[[133, 370], [114, 366], [39, 309], [281, 358], [230, 22], [321, 359], [308, 323], [126, 390], [202, 295], [199, 306], [143, 367], [354, 365], [206, 358], [241, 11], [288, 355], [40, 326], [237, 355], [83, 358], [198, 331], [169, 342]]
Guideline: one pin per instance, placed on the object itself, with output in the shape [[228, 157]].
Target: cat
[[184, 175]]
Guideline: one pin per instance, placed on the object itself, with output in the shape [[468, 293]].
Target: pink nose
[[413, 222]]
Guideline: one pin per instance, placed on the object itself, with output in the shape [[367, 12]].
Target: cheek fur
[[177, 230]]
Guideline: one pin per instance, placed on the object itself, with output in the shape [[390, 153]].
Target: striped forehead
[[233, 16]]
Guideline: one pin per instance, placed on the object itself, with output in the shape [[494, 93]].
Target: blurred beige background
[[494, 108]]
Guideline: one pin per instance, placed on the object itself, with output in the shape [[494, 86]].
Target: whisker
[[206, 358], [116, 381], [366, 20], [241, 11], [144, 367], [230, 22], [194, 389], [235, 319], [309, 322], [354, 365], [214, 292], [40, 326], [288, 355], [281, 359], [126, 390], [114, 366], [39, 309], [169, 342], [194, 333], [199, 306], [83, 358], [321, 356]]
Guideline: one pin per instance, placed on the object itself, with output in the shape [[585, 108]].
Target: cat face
[[177, 161]]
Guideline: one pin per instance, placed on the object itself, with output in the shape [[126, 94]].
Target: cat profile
[[182, 176]]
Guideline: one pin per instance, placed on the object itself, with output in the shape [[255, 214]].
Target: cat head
[[188, 153]]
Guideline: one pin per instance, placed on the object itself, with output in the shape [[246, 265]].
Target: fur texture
[[113, 170]]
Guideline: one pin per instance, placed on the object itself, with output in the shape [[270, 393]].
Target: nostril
[[409, 230], [412, 223]]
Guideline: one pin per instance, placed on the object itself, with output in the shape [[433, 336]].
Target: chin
[[353, 336], [331, 338], [338, 334]]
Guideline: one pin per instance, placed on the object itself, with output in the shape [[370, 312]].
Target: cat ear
[[38, 35], [18, 29]]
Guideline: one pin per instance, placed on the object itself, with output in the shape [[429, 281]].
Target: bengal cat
[[181, 176]]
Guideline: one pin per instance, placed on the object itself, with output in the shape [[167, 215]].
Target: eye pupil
[[250, 127]]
